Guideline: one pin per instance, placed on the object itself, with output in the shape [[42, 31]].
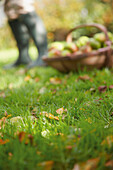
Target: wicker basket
[[95, 59]]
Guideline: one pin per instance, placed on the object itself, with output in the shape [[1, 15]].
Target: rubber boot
[[21, 35], [38, 33]]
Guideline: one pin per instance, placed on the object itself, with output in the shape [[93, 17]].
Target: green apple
[[100, 37], [57, 45], [66, 53], [70, 46], [54, 53], [94, 43], [82, 41]]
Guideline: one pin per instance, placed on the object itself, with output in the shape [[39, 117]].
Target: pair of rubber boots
[[25, 27]]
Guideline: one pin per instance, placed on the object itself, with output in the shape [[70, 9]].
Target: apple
[[54, 53], [66, 53], [57, 45], [86, 48], [94, 43], [71, 46], [82, 41]]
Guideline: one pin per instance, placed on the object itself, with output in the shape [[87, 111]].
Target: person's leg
[[38, 33], [21, 35]]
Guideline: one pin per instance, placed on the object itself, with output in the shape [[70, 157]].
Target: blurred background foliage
[[61, 15]]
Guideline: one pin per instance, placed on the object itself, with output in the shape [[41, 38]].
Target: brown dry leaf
[[85, 77], [102, 89], [91, 164], [49, 115], [23, 136], [47, 165], [3, 142], [55, 80], [27, 78], [108, 141], [109, 163]]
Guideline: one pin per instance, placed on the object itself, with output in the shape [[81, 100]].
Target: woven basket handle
[[101, 27]]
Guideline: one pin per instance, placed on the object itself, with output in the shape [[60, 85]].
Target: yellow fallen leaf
[[55, 80], [60, 110], [49, 115]]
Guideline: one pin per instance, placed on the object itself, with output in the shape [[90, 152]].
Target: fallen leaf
[[60, 110], [111, 87], [37, 79], [23, 136], [109, 163], [27, 78], [76, 167], [102, 89], [55, 80], [2, 94], [47, 165], [85, 77], [49, 115], [91, 164], [3, 142], [92, 90]]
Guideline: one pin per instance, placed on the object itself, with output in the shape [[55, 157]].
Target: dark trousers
[[26, 26]]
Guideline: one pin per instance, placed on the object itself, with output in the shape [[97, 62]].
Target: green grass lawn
[[55, 121]]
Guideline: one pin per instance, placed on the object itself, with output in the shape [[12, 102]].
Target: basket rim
[[100, 51]]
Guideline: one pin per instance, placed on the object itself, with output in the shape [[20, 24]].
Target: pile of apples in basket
[[82, 45]]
